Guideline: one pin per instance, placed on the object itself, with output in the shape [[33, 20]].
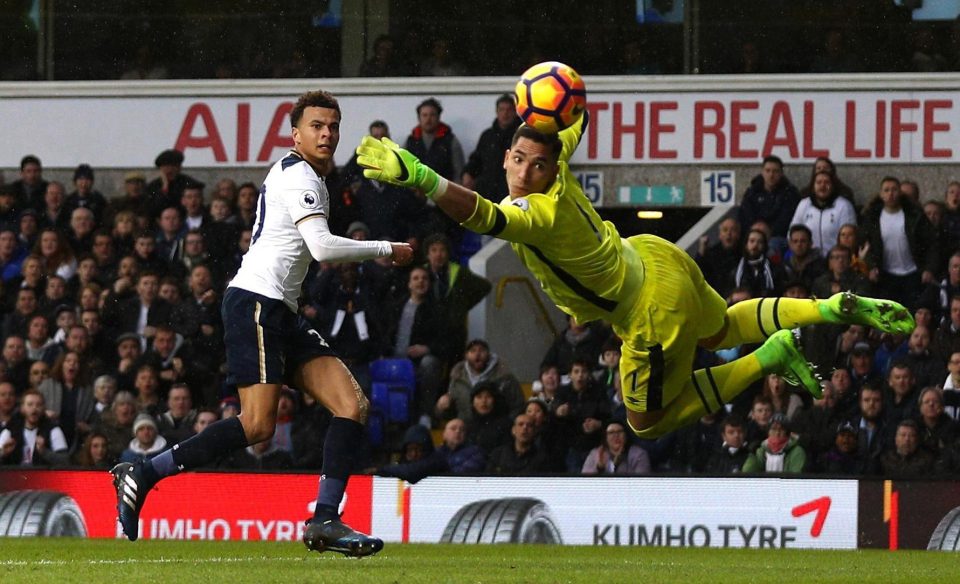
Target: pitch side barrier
[[755, 512]]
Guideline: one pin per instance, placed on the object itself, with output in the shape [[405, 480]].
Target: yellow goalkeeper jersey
[[579, 259]]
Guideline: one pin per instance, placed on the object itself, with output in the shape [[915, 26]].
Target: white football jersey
[[278, 258]]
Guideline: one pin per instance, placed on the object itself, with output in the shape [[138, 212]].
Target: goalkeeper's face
[[531, 168], [317, 135]]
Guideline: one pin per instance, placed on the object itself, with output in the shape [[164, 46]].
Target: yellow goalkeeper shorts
[[675, 309]]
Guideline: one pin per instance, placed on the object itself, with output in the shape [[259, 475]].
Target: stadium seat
[[393, 387], [375, 427]]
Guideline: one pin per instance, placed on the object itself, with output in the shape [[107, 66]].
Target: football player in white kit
[[269, 344]]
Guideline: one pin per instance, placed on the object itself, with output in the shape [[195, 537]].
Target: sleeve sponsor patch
[[523, 203], [310, 200]]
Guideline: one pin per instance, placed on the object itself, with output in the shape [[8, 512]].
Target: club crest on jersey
[[310, 200], [522, 203]]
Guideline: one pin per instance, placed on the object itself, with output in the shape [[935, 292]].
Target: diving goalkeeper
[[649, 290]]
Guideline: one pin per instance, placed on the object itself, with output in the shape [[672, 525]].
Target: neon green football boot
[[885, 315], [780, 354]]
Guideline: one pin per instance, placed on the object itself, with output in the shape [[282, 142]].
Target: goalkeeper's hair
[[552, 141], [313, 99]]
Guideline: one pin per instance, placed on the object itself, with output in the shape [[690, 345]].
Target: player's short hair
[[313, 99], [552, 141]]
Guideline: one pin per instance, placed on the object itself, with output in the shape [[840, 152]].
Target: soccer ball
[[550, 96]]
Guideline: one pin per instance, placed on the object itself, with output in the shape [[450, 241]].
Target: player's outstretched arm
[[385, 161], [327, 247]]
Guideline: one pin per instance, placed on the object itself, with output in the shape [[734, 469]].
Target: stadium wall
[[647, 132], [602, 511]]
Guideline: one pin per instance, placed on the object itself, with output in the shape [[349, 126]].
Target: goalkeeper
[[649, 290]]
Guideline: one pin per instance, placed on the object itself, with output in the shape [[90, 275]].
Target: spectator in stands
[[143, 313], [441, 62], [308, 433], [8, 404], [521, 456], [166, 190], [688, 449], [286, 414], [616, 455], [247, 205], [781, 398], [779, 453], [846, 395], [84, 195], [39, 371], [608, 376], [117, 423], [417, 444], [721, 258], [204, 418], [484, 170], [815, 427], [106, 258], [53, 214], [55, 297], [55, 253], [415, 331], [176, 424], [577, 341], [170, 235], [8, 210], [128, 353], [94, 453], [824, 212], [15, 358], [147, 386], [489, 424], [946, 340], [479, 364], [951, 387], [758, 421], [903, 246], [732, 454], [906, 459], [840, 276], [546, 386], [456, 455], [583, 410], [435, 144], [842, 458], [132, 200], [16, 321], [383, 62], [770, 198], [936, 429], [147, 441], [11, 255], [104, 392], [69, 397], [861, 367], [872, 431], [802, 263], [755, 272], [926, 368], [901, 396], [30, 187], [454, 287], [549, 436], [32, 439], [823, 164]]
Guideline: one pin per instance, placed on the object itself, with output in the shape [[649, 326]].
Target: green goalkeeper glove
[[384, 160]]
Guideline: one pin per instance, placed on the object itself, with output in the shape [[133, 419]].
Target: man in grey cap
[[166, 190]]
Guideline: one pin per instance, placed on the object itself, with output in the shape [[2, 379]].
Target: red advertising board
[[239, 506]]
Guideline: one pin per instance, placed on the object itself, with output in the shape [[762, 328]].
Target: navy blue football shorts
[[266, 342]]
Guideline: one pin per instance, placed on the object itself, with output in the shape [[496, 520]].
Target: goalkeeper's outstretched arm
[[385, 161]]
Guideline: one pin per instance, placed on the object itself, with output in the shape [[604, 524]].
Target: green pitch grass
[[162, 562]]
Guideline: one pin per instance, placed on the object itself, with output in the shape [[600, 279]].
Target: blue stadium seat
[[375, 427], [392, 389]]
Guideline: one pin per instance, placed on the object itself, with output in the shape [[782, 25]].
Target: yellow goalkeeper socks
[[752, 321]]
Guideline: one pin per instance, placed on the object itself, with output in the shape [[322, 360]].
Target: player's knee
[[646, 424], [258, 429]]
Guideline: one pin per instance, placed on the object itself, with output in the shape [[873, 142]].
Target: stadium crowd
[[112, 340]]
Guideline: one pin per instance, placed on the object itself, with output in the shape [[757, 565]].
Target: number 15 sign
[[718, 188]]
